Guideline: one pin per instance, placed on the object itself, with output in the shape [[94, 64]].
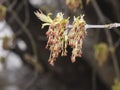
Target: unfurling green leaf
[[101, 53], [45, 24], [43, 17]]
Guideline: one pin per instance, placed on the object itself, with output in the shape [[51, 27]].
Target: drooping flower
[[76, 35], [57, 41]]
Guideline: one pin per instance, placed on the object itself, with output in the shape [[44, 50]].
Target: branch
[[28, 34], [109, 37], [107, 26]]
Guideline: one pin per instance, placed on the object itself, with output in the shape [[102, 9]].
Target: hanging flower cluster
[[60, 35], [76, 35]]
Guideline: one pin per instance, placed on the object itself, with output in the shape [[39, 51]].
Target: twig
[[27, 32], [107, 26], [24, 30], [27, 17], [109, 37], [13, 4], [33, 47], [18, 8], [19, 32], [12, 17]]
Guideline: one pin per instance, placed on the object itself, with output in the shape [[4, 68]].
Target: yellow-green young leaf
[[45, 24], [2, 12], [116, 85], [101, 53], [43, 17]]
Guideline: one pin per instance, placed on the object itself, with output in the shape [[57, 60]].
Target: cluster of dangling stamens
[[60, 35]]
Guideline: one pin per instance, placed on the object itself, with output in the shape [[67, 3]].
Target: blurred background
[[24, 59]]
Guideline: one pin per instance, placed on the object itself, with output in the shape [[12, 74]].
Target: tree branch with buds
[[61, 34]]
